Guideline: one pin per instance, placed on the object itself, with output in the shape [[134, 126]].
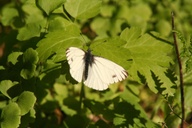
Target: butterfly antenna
[[85, 44]]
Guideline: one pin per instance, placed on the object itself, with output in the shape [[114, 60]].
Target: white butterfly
[[95, 72]]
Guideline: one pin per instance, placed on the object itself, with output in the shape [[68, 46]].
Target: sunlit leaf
[[10, 116], [83, 9], [26, 102], [149, 56], [49, 5]]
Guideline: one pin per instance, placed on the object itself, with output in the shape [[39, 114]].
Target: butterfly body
[[89, 59], [94, 71]]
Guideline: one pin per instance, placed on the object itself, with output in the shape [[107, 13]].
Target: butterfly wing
[[75, 58], [104, 72]]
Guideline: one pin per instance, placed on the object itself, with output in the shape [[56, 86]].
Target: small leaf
[[68, 111], [5, 85], [29, 31], [13, 57], [30, 59], [10, 116], [30, 56], [83, 9], [49, 5], [8, 15], [26, 102], [118, 120]]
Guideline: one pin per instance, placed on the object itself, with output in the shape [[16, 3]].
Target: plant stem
[[180, 73], [82, 95]]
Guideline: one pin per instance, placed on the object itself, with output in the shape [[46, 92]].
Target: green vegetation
[[37, 90]]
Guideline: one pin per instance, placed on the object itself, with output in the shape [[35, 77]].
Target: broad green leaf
[[57, 22], [30, 59], [150, 59], [13, 57], [5, 85], [111, 48], [83, 9], [26, 102], [49, 5], [10, 116], [58, 41]]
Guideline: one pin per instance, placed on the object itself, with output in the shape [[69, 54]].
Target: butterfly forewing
[[76, 62], [101, 72]]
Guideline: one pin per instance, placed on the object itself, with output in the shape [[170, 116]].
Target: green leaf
[[61, 90], [149, 55], [32, 11], [128, 94], [33, 26], [49, 5], [30, 59], [30, 56], [68, 111], [8, 15], [5, 85], [29, 31], [10, 116], [101, 26], [111, 48], [58, 41], [134, 16], [166, 29], [13, 57], [57, 22], [118, 120], [28, 118], [83, 9], [26, 102]]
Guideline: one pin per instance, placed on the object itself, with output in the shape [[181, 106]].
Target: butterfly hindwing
[[104, 72]]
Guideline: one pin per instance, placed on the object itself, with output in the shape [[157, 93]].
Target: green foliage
[[37, 90]]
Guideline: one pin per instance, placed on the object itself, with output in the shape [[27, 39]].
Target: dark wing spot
[[114, 76], [72, 59]]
